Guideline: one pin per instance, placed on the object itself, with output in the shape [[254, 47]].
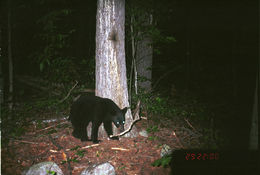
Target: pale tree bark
[[111, 79]]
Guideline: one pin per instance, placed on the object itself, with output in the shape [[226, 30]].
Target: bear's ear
[[124, 110]]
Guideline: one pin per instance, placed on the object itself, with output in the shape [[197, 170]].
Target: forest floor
[[54, 142]]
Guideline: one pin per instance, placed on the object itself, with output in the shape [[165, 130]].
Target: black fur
[[96, 110]]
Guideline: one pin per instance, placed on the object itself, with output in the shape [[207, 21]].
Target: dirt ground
[[54, 142]]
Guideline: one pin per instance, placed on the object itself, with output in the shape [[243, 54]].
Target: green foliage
[[142, 79], [158, 37], [152, 129], [80, 153], [39, 124], [63, 162], [178, 108], [181, 107], [141, 22], [75, 148], [75, 159], [51, 172], [153, 104], [152, 138], [16, 121], [17, 132], [53, 61], [44, 103], [164, 161], [121, 167], [12, 124], [52, 131]]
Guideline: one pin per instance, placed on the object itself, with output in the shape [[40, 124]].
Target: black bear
[[96, 110]]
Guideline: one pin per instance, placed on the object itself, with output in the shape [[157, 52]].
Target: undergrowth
[[180, 108], [14, 122]]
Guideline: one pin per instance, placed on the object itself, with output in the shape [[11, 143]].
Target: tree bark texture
[[144, 57], [111, 79]]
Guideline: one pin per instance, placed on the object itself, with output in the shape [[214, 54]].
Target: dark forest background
[[213, 62]]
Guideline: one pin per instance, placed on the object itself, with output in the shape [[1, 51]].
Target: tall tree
[[141, 25], [144, 54], [10, 59], [1, 72], [111, 79]]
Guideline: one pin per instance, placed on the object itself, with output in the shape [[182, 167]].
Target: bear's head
[[119, 118]]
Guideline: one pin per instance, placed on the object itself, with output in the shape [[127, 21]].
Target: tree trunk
[[10, 59], [144, 57], [188, 52], [234, 64], [253, 142], [1, 73], [133, 64], [110, 56]]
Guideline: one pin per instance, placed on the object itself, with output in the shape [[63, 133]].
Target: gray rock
[[104, 168], [143, 133], [166, 150], [43, 168]]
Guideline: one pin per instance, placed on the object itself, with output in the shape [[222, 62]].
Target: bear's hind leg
[[76, 133], [94, 132], [80, 132], [84, 132]]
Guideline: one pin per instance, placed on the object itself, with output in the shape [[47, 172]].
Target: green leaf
[[75, 148], [164, 161], [41, 66], [48, 61]]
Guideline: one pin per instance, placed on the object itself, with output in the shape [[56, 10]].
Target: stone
[[143, 133], [166, 150], [44, 168], [104, 168]]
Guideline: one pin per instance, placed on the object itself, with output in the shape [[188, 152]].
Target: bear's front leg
[[109, 130]]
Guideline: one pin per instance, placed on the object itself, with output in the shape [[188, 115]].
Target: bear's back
[[89, 108]]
